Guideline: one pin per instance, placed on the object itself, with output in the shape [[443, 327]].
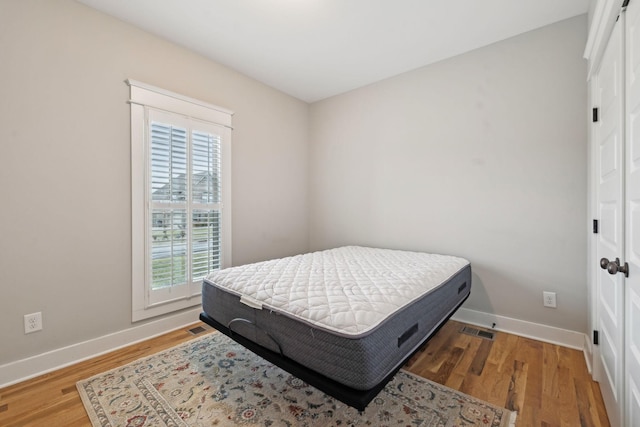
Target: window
[[181, 218]]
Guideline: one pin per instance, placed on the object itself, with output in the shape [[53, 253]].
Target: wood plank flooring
[[547, 384]]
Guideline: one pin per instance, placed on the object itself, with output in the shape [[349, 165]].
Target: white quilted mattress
[[348, 290]]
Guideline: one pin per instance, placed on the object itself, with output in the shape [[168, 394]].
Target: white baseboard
[[21, 370], [537, 331], [24, 369], [588, 353]]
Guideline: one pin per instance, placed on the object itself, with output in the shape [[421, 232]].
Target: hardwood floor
[[53, 400], [547, 384]]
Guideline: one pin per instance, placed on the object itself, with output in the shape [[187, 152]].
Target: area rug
[[213, 381]]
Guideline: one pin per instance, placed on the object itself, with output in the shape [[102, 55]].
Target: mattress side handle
[[240, 319]]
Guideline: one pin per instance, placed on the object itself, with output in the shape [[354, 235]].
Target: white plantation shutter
[[168, 152], [181, 203], [206, 192]]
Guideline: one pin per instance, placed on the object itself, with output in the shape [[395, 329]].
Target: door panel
[[609, 213], [609, 137], [632, 181], [609, 156]]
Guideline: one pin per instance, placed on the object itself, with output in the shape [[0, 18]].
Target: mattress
[[352, 314]]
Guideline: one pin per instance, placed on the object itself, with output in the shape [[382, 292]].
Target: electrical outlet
[[549, 299], [32, 322]]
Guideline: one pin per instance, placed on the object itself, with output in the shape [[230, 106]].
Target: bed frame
[[358, 399]]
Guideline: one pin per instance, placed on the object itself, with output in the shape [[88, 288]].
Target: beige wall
[[483, 156], [65, 232]]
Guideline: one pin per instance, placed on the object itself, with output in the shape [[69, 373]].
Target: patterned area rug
[[213, 381]]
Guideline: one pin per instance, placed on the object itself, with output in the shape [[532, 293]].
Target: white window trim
[[142, 97]]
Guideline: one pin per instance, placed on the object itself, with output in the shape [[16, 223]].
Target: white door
[[632, 233], [609, 130]]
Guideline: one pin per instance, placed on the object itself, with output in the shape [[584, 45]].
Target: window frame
[[145, 98]]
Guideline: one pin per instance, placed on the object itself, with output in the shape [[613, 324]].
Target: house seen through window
[[185, 232]]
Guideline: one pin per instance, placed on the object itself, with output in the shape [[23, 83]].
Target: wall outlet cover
[[32, 322], [549, 299]]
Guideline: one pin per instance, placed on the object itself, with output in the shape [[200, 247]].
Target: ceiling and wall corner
[[314, 49]]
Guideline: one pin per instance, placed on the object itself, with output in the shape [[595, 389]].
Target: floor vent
[[487, 335], [197, 330]]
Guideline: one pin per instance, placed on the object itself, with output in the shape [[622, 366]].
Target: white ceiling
[[314, 49]]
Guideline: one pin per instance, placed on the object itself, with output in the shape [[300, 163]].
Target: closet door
[[632, 123], [609, 131]]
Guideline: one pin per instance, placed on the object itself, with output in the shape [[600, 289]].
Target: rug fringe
[[512, 419]]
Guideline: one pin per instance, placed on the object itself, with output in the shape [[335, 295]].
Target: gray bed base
[[351, 370]]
